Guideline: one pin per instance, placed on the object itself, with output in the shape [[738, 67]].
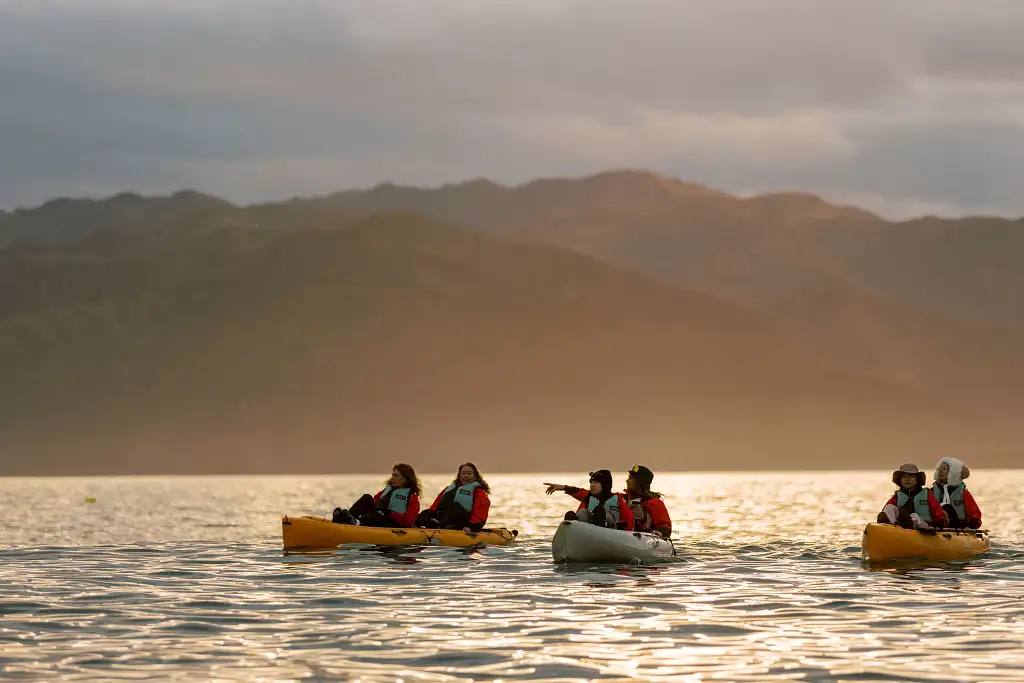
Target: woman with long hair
[[396, 505], [463, 504], [649, 509]]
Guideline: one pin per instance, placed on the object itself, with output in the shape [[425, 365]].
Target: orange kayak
[[319, 532], [882, 542]]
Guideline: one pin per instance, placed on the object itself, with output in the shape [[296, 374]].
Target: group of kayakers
[[638, 509], [946, 504], [464, 503]]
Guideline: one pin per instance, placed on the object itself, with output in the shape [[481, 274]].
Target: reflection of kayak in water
[[882, 542], [319, 532], [581, 542]]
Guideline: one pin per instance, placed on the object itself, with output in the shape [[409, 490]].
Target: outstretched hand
[[553, 487]]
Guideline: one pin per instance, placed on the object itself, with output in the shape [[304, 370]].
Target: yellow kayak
[[319, 532], [882, 542]]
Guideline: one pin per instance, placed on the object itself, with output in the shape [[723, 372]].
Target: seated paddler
[[396, 505], [648, 507], [463, 504], [912, 506], [600, 504], [956, 501]]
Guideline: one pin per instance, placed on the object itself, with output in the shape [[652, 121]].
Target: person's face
[[632, 486], [595, 487], [397, 480], [908, 481], [942, 473], [466, 475]]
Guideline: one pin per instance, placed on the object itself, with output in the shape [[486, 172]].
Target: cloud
[[257, 99]]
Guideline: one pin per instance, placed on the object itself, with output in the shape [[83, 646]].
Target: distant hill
[[762, 249], [874, 338], [184, 333], [228, 348], [61, 221]]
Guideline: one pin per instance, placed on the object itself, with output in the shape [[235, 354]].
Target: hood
[[958, 471]]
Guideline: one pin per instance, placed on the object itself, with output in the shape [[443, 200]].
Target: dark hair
[[476, 473], [644, 490], [411, 480]]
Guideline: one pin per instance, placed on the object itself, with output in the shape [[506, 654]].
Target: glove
[[904, 519]]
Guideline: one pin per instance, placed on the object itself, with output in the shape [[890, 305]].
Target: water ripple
[[763, 590]]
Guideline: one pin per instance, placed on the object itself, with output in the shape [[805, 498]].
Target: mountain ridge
[[227, 349], [760, 248]]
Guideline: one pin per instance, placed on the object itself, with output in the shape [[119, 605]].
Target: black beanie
[[604, 477]]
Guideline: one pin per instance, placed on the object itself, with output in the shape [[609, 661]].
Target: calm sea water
[[184, 578]]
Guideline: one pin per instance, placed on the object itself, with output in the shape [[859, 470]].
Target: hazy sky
[[902, 106]]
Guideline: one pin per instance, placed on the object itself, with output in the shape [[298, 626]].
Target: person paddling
[[599, 505], [463, 504], [951, 492], [648, 507], [912, 506], [396, 505]]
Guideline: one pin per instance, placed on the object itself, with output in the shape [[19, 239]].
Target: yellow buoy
[[90, 500]]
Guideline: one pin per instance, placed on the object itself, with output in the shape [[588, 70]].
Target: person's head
[[467, 474], [601, 482], [950, 471], [404, 476], [639, 480], [908, 477]]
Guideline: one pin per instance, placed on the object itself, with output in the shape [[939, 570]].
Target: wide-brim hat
[[908, 468]]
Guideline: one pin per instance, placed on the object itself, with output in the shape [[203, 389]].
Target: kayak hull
[[576, 541], [884, 542], [319, 532]]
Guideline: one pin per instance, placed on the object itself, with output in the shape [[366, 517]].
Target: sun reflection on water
[[770, 586]]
